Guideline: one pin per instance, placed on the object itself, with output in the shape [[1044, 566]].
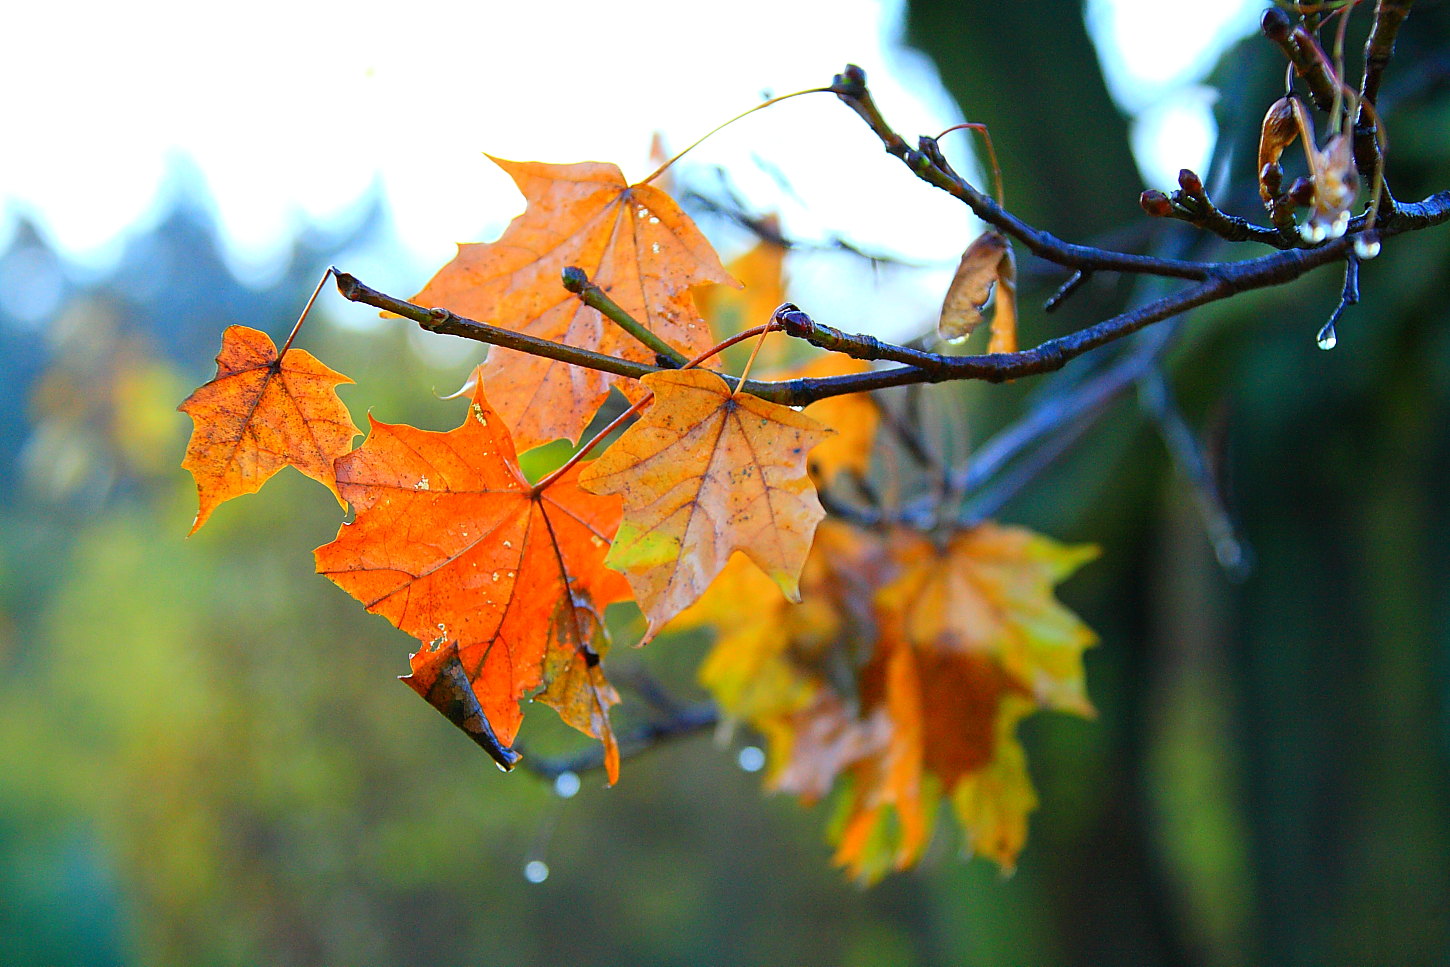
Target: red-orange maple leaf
[[453, 546], [260, 414], [634, 241]]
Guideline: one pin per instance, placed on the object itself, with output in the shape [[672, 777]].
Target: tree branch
[[1216, 280], [1191, 204], [577, 281], [1303, 52], [687, 721], [850, 87]]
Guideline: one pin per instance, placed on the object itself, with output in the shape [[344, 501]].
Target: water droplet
[[596, 540], [495, 575], [566, 784], [653, 220], [508, 543], [1366, 248], [654, 247], [1328, 338], [751, 759], [422, 484]]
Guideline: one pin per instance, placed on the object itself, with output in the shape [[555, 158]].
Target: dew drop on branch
[[536, 871]]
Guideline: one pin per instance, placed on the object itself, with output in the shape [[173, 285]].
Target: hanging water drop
[[751, 759], [1366, 247], [1328, 338], [566, 784], [536, 871]]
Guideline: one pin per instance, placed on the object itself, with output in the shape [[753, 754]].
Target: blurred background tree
[[203, 757]]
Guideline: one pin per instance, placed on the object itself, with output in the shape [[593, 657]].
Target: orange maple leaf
[[452, 545], [704, 474], [634, 241], [972, 641], [260, 414], [947, 713]]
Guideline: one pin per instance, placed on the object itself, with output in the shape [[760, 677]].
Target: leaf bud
[[1301, 191], [1156, 203], [1275, 24], [1271, 179], [1189, 181], [793, 320], [851, 82], [574, 279]]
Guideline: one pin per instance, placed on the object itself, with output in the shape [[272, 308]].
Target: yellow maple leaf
[[705, 473]]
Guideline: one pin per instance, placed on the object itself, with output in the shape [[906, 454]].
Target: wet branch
[[687, 721], [1215, 281]]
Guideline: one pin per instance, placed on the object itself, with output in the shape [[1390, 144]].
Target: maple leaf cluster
[[901, 679], [891, 666]]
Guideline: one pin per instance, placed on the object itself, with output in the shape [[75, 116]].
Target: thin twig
[[1074, 282], [1303, 52], [1328, 337], [688, 721], [1378, 49], [1192, 461], [905, 432], [1191, 204], [989, 502], [1220, 280], [850, 87], [576, 280]]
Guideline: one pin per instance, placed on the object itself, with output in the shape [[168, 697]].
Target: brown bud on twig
[[1276, 25], [1271, 180], [851, 82], [1301, 191], [1156, 203], [1191, 184]]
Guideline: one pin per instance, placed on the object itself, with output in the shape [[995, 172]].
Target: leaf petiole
[[981, 129], [719, 127], [644, 401], [331, 271]]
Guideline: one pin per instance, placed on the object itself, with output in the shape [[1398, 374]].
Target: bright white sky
[[291, 109]]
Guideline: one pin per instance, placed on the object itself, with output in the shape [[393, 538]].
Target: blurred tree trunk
[[1031, 74], [1275, 783]]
